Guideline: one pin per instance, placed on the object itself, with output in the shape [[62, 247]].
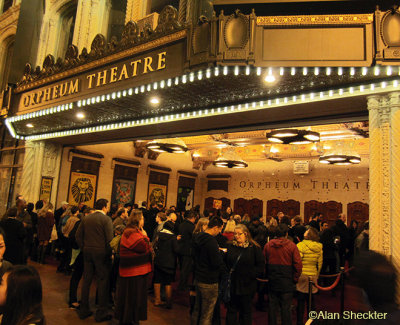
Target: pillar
[[137, 9], [394, 102], [42, 159], [91, 19], [384, 199]]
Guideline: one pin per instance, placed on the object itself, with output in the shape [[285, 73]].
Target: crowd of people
[[216, 257]]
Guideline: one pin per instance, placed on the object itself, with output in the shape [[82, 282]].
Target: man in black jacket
[[297, 231], [185, 243], [208, 265], [340, 230]]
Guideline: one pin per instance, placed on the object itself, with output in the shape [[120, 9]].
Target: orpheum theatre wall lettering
[[310, 184]]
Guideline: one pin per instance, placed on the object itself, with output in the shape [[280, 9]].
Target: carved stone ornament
[[130, 34], [167, 24], [168, 20], [98, 45], [390, 28], [201, 36], [152, 155], [236, 30], [71, 56], [48, 64], [27, 76]]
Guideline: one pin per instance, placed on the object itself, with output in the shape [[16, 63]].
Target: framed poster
[[123, 192], [217, 204], [185, 198], [82, 189], [157, 194], [45, 189]]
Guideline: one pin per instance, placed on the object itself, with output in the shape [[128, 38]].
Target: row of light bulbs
[[191, 77], [307, 97]]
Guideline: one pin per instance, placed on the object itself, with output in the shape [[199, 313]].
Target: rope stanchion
[[338, 276]]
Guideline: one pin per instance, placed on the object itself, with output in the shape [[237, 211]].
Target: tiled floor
[[55, 295]]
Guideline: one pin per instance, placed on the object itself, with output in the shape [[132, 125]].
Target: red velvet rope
[[330, 287]]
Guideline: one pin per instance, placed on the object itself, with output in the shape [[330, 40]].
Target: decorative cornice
[[185, 173], [316, 20], [86, 153], [164, 169], [218, 176], [127, 161], [132, 42]]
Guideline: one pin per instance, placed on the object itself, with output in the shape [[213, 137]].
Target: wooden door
[[291, 208], [240, 206], [311, 207], [273, 207], [331, 211], [357, 211]]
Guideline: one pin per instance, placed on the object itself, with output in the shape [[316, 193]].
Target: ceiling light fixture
[[293, 136], [339, 159], [167, 145], [154, 100], [230, 159], [80, 115], [29, 125]]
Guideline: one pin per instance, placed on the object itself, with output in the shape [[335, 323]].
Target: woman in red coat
[[134, 267]]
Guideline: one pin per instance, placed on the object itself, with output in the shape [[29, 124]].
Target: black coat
[[329, 248], [14, 240], [185, 243], [250, 266], [258, 232], [341, 230], [207, 258], [166, 249], [297, 233]]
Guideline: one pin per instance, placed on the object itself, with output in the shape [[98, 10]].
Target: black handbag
[[226, 283]]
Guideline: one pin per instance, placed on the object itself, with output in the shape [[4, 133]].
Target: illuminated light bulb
[[389, 71], [236, 70], [269, 78], [184, 79], [281, 71], [352, 71], [293, 71], [376, 71], [247, 71], [364, 71], [258, 71], [316, 71], [328, 71], [340, 71], [305, 71]]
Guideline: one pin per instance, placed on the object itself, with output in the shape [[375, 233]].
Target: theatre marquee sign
[[133, 71]]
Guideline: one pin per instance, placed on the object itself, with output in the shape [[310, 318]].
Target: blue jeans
[[206, 297]]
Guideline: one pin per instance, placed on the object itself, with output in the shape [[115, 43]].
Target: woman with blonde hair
[[134, 267], [201, 225], [44, 228], [245, 260], [311, 256]]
